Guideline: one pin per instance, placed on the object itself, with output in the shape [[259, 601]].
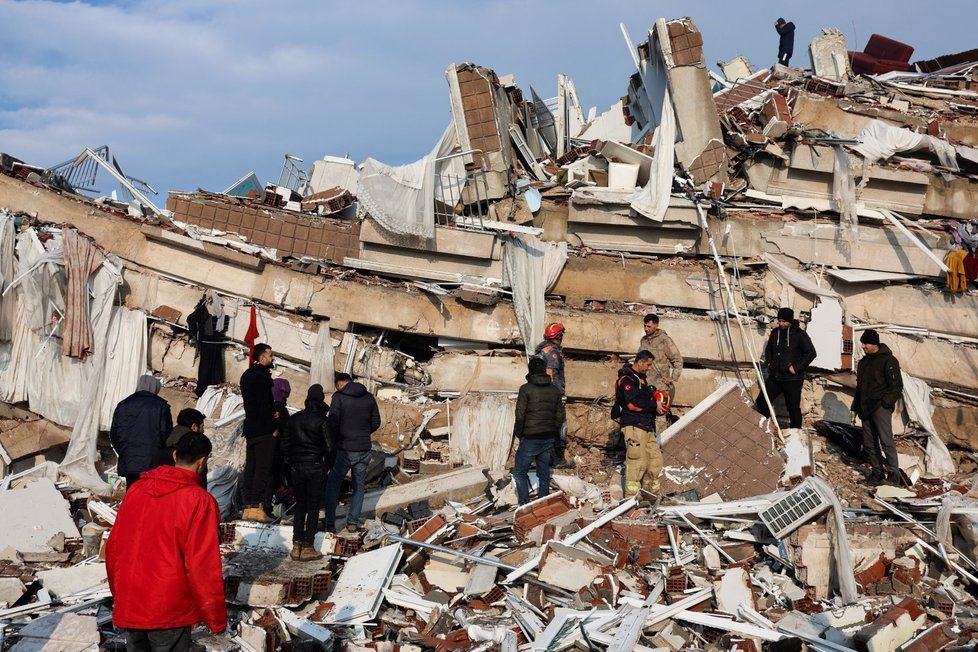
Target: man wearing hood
[[635, 409], [309, 452], [139, 428], [788, 353], [163, 558], [353, 417], [539, 418], [879, 385]]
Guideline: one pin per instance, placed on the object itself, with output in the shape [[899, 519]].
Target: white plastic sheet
[[482, 432], [916, 398], [402, 199], [879, 141], [652, 201], [530, 268], [321, 365], [844, 195], [8, 304]]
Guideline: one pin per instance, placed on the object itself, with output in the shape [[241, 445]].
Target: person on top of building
[[787, 355], [786, 41], [879, 385]]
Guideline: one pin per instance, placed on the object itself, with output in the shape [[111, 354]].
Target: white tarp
[[652, 201], [402, 199], [879, 141], [916, 398], [482, 430], [321, 367], [530, 268], [844, 195], [8, 305], [228, 457]]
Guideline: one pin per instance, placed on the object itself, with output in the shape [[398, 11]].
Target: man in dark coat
[[786, 44], [353, 417], [188, 420], [308, 450], [539, 417], [260, 432], [636, 409], [139, 428], [551, 351], [787, 354], [879, 385]]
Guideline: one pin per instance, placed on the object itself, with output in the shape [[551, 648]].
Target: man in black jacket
[[188, 420], [879, 385], [139, 428], [788, 353], [539, 417], [786, 44], [353, 417], [260, 432], [308, 451], [636, 409]]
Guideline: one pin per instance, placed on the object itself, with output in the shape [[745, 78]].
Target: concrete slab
[[11, 590], [33, 515], [59, 632], [64, 581], [357, 593], [458, 485]]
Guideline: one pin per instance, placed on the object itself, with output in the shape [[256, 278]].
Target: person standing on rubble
[[551, 351], [260, 432], [353, 417], [787, 354], [163, 558], [308, 450], [636, 409], [786, 44], [140, 425], [539, 417], [281, 390], [879, 385], [188, 420], [667, 361]]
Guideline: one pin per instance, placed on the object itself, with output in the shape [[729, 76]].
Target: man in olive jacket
[[879, 385], [539, 417]]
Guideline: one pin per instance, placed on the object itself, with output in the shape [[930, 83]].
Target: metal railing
[[459, 199]]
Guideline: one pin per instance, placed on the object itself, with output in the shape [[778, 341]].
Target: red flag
[[252, 335]]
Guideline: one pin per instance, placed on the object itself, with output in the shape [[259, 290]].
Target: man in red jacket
[[163, 558]]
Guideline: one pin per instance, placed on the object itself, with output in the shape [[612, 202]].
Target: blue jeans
[[346, 460], [532, 449]]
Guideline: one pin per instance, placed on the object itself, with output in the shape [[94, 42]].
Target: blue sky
[[190, 93]]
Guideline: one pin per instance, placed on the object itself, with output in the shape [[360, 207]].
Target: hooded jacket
[[256, 394], [307, 439], [787, 347], [786, 44], [878, 382], [139, 427], [634, 403], [162, 557], [539, 408], [353, 417], [553, 354], [667, 361]]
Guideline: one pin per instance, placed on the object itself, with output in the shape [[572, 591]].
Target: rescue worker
[[879, 385], [667, 361], [787, 354], [636, 409], [551, 351]]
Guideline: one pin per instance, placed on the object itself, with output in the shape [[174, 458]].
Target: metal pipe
[[449, 551]]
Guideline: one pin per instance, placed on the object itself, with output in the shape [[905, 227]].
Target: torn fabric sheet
[[840, 549], [482, 430], [402, 199], [844, 195], [796, 279], [879, 141], [916, 398], [8, 304], [82, 258], [321, 365], [530, 268], [652, 201]]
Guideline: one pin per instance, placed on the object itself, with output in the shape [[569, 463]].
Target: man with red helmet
[[552, 353], [636, 409]]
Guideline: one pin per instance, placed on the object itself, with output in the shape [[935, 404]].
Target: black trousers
[[131, 479], [309, 487], [877, 434], [176, 639], [792, 398], [256, 483], [783, 58]]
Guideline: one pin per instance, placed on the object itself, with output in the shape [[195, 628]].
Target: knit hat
[[281, 390], [315, 393], [870, 337], [786, 314], [537, 366]]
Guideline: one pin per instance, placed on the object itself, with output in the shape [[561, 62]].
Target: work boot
[[330, 528], [256, 514], [352, 527], [308, 553], [894, 478], [296, 554]]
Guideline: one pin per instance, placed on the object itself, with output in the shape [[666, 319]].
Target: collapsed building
[[845, 191]]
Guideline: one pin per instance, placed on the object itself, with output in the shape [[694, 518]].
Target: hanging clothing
[[82, 258], [957, 280], [970, 267], [207, 334], [252, 334]]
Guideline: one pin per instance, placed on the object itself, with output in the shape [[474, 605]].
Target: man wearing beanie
[[309, 452], [879, 385], [539, 417], [788, 353]]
